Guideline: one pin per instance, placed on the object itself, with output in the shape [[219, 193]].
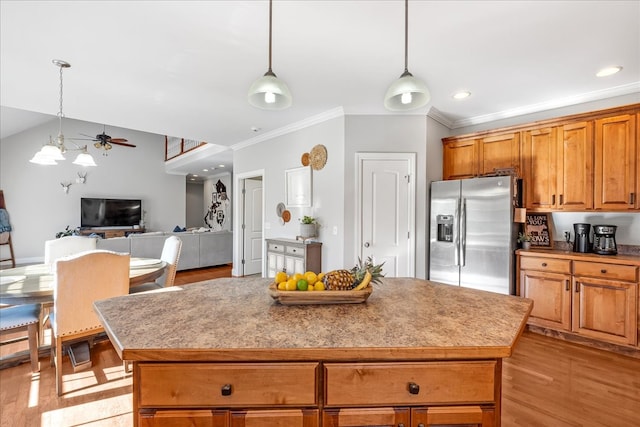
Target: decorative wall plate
[[318, 157], [305, 159], [286, 216], [279, 209]]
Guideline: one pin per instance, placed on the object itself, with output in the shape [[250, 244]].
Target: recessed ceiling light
[[205, 170], [255, 129], [194, 175], [462, 94], [220, 166], [608, 71]]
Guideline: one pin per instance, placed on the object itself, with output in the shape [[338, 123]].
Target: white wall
[[37, 205], [404, 134], [276, 155]]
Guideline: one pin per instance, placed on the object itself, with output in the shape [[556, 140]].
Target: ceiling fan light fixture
[[269, 92], [408, 92]]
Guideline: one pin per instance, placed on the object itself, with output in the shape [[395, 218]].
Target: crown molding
[[549, 105], [439, 117], [305, 123]]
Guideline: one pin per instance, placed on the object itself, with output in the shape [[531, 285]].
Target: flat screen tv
[[110, 212]]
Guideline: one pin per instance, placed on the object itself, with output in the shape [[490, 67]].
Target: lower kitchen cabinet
[[437, 416], [366, 417], [583, 295], [225, 418]]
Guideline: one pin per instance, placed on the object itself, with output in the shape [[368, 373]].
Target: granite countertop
[[578, 256], [236, 319]]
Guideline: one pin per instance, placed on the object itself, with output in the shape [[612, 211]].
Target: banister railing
[[174, 147]]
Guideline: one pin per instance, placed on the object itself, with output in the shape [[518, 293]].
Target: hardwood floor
[[546, 383]]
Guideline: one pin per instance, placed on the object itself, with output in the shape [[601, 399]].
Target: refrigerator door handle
[[456, 234], [463, 232]]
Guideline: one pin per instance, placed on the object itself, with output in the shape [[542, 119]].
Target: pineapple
[[344, 280]]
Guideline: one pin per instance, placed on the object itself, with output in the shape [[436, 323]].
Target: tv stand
[[108, 232]]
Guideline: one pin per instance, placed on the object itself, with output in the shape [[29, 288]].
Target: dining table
[[34, 283]]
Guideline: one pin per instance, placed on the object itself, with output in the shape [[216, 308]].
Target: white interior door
[[386, 211], [252, 227]]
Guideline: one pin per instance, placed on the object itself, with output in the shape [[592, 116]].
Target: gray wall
[[194, 204], [37, 206]]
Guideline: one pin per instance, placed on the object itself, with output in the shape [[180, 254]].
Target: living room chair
[[68, 245], [79, 281], [19, 318], [170, 255]]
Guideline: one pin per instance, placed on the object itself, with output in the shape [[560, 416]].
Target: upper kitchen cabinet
[[557, 166], [480, 156], [616, 163]]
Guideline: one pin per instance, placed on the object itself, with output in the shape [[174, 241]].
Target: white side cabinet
[[293, 256]]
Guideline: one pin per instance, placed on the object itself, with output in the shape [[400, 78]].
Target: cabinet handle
[[401, 425], [413, 388], [632, 198], [420, 425], [566, 285], [577, 287], [603, 271], [544, 264], [561, 199], [226, 390], [553, 199]]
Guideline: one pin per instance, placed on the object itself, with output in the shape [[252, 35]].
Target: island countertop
[[236, 319]]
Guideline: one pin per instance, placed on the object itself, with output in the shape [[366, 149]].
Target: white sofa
[[199, 249]]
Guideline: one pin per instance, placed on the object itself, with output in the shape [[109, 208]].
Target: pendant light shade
[[408, 92], [52, 152], [269, 92]]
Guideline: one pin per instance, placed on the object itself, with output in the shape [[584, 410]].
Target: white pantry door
[[252, 227], [385, 211]]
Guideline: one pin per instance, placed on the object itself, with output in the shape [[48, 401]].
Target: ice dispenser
[[445, 228]]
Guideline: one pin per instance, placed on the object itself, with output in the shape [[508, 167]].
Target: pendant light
[[269, 92], [408, 92], [52, 152]]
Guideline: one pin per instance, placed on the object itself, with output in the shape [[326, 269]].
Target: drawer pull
[[603, 271], [420, 425], [226, 390], [544, 264], [414, 388], [401, 425]]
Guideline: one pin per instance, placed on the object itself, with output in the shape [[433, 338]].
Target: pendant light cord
[[60, 114], [270, 13], [406, 36]]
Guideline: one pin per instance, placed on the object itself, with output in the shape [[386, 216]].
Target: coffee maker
[[604, 239], [581, 240]]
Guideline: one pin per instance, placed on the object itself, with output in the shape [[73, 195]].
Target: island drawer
[[605, 271], [545, 264], [226, 384], [276, 247], [366, 384]]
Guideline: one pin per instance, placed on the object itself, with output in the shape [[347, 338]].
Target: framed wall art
[[540, 227], [298, 187]]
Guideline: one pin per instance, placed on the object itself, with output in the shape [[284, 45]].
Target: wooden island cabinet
[[576, 163], [227, 354]]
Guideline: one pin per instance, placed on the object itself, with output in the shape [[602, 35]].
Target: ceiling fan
[[104, 141]]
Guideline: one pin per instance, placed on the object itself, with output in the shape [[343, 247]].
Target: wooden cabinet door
[[275, 418], [460, 159], [605, 309], [366, 417], [551, 295], [499, 152], [539, 168], [575, 166], [183, 418], [615, 159]]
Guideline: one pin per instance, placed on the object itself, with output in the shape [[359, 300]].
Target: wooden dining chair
[[79, 281], [170, 255], [68, 245], [19, 318]]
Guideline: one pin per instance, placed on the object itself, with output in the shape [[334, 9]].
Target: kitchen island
[[224, 353]]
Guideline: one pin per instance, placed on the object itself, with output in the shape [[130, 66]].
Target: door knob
[[366, 244]]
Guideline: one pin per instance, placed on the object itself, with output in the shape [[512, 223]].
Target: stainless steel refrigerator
[[473, 236]]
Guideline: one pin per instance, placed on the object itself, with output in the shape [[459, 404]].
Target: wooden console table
[[107, 233]]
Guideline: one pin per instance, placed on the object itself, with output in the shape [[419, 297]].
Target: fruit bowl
[[319, 297]]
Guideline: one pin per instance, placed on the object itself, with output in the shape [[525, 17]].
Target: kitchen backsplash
[[561, 245]]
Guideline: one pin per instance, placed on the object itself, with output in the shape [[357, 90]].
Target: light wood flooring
[[546, 383]]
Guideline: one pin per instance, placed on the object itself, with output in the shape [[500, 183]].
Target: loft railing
[[174, 147]]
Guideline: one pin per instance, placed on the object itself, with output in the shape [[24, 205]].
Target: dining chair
[[19, 318], [170, 255], [80, 280], [68, 245]]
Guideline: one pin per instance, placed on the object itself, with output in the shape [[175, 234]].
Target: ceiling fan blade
[[117, 140], [93, 138], [121, 143]]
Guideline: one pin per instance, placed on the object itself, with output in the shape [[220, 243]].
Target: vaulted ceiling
[[183, 68]]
